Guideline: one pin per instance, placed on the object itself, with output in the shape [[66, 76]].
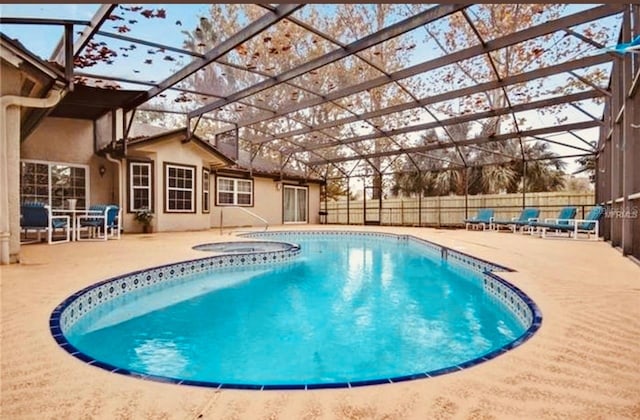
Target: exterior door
[[295, 204]]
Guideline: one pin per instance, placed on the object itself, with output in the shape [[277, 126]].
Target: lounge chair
[[527, 216], [484, 218], [37, 216], [589, 225], [564, 215], [101, 222]]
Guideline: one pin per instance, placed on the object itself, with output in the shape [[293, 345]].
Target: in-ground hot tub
[[246, 247]]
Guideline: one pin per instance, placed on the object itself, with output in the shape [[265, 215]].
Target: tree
[[588, 165]]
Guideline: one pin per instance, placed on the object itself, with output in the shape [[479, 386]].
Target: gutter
[[6, 150]]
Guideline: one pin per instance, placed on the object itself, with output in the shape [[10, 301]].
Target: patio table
[[74, 213]]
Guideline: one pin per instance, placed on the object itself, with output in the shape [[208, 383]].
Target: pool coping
[[490, 278]]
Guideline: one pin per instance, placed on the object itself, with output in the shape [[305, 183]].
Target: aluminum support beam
[[479, 140], [68, 55], [42, 21], [485, 164], [471, 117], [96, 22], [385, 34], [495, 44], [149, 43], [220, 50], [519, 78], [559, 143], [629, 142]]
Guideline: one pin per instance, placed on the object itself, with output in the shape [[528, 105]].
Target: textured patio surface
[[584, 362]]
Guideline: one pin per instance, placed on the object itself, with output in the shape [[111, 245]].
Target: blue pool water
[[347, 310]]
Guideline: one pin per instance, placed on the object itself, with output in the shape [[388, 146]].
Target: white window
[[180, 194], [295, 204], [140, 192], [205, 191], [234, 191], [53, 183]]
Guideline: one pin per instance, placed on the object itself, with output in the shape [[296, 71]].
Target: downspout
[[119, 183], [12, 151]]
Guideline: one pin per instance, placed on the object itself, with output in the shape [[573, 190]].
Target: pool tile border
[[76, 306]]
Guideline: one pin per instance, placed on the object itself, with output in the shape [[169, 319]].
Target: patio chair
[[589, 225], [37, 216], [527, 215], [101, 223], [564, 215], [484, 218]]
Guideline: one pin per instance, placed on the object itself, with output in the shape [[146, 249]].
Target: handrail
[[249, 212]]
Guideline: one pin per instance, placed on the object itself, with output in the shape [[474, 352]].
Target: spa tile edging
[[76, 306]]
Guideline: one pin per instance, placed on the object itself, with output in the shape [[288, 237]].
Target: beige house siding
[[66, 140], [169, 150], [314, 203], [267, 203], [11, 79]]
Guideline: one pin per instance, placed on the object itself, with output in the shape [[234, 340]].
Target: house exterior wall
[[314, 203], [170, 150], [67, 140], [267, 203]]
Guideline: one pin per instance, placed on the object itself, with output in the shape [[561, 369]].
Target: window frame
[[296, 187], [235, 191], [194, 187], [206, 192], [130, 196], [87, 178]]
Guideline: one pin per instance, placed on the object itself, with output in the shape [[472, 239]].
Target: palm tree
[[544, 172]]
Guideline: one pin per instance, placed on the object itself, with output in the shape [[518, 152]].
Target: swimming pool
[[267, 320]]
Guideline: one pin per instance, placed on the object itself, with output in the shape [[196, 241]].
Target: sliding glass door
[[295, 204]]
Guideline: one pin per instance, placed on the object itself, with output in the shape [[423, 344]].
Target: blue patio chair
[[589, 225], [564, 216], [101, 222], [484, 218], [37, 216], [527, 215]]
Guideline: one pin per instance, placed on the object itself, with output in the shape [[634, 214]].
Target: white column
[[12, 127]]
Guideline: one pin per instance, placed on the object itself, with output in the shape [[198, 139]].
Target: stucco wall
[[314, 203], [170, 150], [67, 140], [268, 204], [11, 79]]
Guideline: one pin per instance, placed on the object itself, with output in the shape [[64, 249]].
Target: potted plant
[[144, 216]]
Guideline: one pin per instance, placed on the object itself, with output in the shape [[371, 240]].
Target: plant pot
[[147, 229]]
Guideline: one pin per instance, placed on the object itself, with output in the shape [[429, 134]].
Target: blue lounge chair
[[37, 216], [564, 216], [101, 222], [528, 215], [484, 218], [588, 225]]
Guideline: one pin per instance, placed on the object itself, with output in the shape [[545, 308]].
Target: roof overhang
[[217, 159], [90, 103]]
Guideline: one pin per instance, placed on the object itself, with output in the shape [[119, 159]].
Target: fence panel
[[450, 210]]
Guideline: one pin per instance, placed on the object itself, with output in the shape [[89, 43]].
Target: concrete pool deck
[[584, 362]]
